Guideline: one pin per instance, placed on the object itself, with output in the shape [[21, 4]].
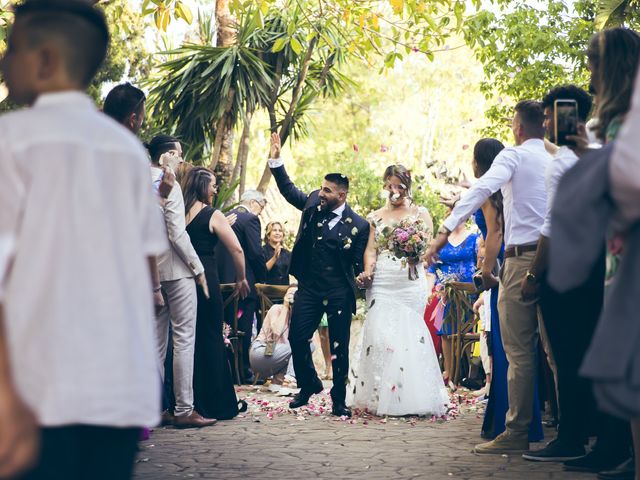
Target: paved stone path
[[272, 442]]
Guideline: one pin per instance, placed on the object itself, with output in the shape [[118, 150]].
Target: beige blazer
[[181, 260]]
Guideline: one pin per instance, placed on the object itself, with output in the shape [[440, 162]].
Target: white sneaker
[[275, 388]]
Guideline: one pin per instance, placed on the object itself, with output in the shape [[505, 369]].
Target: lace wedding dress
[[395, 370]]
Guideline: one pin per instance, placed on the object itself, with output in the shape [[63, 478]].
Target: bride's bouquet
[[407, 240]]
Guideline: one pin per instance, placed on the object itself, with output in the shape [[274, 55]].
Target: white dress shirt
[[78, 220], [520, 173], [561, 163], [338, 215]]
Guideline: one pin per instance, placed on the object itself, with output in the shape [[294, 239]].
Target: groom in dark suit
[[326, 258]]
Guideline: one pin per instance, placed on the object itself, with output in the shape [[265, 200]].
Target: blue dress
[[498, 403], [457, 263]]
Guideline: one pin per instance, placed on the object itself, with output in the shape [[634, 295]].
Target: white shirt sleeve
[[276, 162], [501, 171], [12, 199]]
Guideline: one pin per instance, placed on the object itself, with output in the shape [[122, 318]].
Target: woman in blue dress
[[489, 221], [457, 263]]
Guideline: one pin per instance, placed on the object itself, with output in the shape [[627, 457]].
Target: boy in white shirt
[[79, 230]]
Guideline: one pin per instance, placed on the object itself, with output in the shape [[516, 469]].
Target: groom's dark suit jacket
[[353, 231]]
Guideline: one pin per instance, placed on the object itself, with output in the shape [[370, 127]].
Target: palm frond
[[610, 13]]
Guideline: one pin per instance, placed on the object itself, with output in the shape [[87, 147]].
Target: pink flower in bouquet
[[402, 235]]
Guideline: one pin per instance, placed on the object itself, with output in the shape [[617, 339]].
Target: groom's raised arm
[[287, 188]]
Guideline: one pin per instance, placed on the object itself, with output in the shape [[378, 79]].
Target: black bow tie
[[327, 216]]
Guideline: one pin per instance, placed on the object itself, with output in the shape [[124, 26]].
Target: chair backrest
[[268, 294]]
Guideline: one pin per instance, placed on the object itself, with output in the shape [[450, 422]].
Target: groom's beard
[[328, 205]]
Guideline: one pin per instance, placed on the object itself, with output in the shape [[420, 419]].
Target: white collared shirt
[[338, 215], [520, 173], [561, 163], [78, 220]]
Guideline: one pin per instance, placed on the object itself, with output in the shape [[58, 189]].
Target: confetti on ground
[[264, 405]]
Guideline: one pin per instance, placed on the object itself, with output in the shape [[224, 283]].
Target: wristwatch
[[531, 278], [157, 289]]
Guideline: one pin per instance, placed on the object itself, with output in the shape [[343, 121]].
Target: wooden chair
[[235, 337], [268, 294], [464, 336]]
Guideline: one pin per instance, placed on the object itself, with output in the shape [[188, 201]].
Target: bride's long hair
[[403, 174]]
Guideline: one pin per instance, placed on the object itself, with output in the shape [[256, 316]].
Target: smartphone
[[565, 115]]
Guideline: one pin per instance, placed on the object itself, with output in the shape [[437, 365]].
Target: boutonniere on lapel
[[346, 243], [354, 231], [348, 220]]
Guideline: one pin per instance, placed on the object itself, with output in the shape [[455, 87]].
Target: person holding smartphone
[[569, 318]]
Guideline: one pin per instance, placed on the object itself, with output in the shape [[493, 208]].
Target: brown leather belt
[[519, 250]]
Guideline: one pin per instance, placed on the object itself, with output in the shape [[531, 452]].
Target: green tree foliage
[[127, 55], [528, 48]]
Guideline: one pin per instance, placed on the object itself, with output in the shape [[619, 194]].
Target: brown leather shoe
[[166, 418], [193, 420]]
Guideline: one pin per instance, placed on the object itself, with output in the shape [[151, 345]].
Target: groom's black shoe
[[302, 398], [341, 410]]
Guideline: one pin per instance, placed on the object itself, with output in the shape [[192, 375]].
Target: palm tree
[[203, 91]]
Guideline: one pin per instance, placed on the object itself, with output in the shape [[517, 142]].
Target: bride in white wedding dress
[[396, 371]]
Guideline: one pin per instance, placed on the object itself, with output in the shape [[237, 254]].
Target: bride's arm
[[426, 218], [370, 253], [369, 259]]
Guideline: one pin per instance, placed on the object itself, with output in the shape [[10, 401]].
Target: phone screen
[[566, 120]]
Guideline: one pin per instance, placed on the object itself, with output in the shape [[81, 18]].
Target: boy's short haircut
[[81, 29]]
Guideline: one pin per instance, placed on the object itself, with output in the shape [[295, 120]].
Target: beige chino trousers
[[519, 329]]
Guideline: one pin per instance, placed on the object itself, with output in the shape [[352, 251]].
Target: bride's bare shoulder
[[376, 215]]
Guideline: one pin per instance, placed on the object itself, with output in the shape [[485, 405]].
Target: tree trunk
[[295, 98], [241, 158], [222, 154]]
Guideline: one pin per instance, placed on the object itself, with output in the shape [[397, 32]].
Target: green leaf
[[611, 13], [279, 44], [184, 12], [296, 46]]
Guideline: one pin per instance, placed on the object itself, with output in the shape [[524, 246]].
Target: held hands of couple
[[365, 279], [19, 437]]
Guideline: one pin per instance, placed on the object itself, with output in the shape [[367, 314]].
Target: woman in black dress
[[213, 390], [278, 257]]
